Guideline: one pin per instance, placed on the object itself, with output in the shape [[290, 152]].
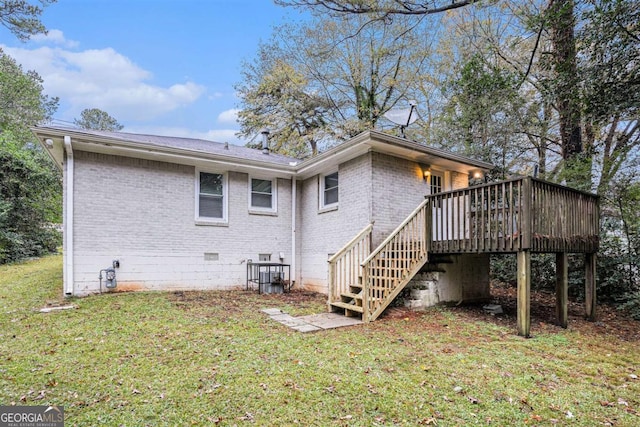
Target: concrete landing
[[311, 323]]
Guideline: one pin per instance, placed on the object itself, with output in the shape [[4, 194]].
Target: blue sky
[[164, 67]]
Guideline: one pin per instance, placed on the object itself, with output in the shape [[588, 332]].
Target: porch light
[[476, 174], [426, 171]]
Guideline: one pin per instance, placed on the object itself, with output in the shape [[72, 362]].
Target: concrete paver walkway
[[311, 323]]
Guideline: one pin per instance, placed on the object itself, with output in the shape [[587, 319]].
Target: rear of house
[[179, 213]]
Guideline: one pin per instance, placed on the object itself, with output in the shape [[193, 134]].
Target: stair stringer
[[370, 317]]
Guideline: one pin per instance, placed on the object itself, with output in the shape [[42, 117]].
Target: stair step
[[347, 306], [351, 295]]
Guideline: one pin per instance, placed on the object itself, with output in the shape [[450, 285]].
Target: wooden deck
[[521, 216], [515, 215]]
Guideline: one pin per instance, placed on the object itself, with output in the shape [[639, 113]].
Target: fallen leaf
[[248, 416], [473, 400]]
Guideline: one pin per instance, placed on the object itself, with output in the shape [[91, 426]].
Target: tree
[[22, 103], [96, 119], [30, 201], [22, 17], [610, 69], [30, 186], [330, 78], [275, 96], [558, 18], [383, 8]]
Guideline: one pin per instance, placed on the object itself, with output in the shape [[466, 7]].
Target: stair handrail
[[373, 308], [391, 235], [363, 235]]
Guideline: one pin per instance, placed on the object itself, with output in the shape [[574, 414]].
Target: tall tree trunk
[[562, 23]]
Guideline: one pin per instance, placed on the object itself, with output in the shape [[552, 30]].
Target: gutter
[[294, 197], [171, 153], [68, 219]]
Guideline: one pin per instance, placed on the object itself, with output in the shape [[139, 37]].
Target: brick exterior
[[142, 213], [325, 232], [399, 187]]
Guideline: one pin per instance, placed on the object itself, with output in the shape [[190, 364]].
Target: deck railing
[[513, 215], [345, 265], [394, 262]]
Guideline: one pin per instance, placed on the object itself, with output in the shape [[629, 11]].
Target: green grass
[[207, 358]]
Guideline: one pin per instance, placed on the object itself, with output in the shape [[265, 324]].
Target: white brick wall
[[399, 187], [323, 233], [142, 213]]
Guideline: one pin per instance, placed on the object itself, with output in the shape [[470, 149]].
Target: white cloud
[[54, 37], [105, 79], [229, 116]]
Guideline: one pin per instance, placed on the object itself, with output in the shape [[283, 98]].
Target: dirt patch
[[610, 321]]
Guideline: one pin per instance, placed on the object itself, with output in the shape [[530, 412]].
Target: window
[[211, 256], [211, 196], [329, 190], [264, 257], [435, 183], [262, 195]]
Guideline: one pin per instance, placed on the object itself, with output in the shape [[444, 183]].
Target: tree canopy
[[96, 119], [329, 79], [381, 7], [22, 103], [22, 17], [30, 186]]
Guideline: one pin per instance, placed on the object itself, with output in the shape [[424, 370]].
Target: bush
[[30, 201]]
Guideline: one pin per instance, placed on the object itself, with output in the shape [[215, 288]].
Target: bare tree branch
[[383, 8]]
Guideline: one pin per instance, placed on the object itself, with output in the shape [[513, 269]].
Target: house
[[357, 222]]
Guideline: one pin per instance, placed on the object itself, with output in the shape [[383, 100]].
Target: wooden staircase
[[383, 273]]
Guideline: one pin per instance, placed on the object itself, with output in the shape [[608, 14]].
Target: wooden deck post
[[562, 288], [524, 293], [590, 286]]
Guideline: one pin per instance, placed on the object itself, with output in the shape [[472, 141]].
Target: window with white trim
[[264, 257], [211, 200], [329, 190], [435, 183], [262, 195]]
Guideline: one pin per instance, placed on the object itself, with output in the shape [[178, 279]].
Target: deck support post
[[562, 288], [590, 286], [524, 293]]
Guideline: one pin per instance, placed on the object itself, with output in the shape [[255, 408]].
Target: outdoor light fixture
[[426, 171], [477, 174]]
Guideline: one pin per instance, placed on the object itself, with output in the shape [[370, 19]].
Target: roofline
[[402, 143], [42, 132], [364, 142]]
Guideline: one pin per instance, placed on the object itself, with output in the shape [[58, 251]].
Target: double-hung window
[[329, 190], [262, 195], [211, 197]]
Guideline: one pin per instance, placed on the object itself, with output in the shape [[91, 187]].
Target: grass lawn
[[212, 358]]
